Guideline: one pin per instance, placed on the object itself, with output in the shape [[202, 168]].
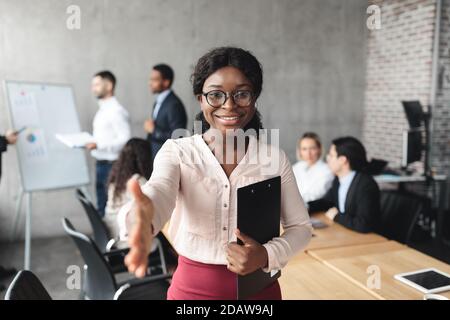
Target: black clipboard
[[258, 216]]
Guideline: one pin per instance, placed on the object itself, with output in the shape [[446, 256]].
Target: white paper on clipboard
[[75, 140]]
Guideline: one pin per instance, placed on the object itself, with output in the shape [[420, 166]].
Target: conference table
[[358, 263], [336, 235], [353, 259], [339, 264], [306, 278]]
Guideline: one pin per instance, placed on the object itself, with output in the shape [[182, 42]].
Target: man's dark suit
[[4, 273], [3, 146], [362, 204], [171, 116]]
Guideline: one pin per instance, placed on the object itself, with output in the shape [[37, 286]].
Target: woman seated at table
[[135, 161], [354, 197], [313, 175]]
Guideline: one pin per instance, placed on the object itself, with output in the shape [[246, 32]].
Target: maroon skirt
[[199, 281]]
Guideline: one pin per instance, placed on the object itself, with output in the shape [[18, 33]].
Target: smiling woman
[[239, 71], [200, 197]]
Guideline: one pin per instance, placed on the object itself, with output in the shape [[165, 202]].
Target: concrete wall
[[313, 53]]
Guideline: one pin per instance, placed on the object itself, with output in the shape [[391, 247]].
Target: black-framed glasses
[[217, 98]]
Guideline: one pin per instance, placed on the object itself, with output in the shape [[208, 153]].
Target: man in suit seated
[[168, 113], [354, 197]]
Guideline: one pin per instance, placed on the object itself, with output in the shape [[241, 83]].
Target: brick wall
[[399, 67]]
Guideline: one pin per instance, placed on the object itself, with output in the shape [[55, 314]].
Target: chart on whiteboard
[[40, 111], [37, 149], [27, 115]]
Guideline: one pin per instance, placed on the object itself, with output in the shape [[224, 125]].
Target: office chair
[[107, 244], [99, 281], [399, 215], [26, 286], [100, 231]]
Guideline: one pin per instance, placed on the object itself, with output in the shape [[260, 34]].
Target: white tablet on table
[[429, 280]]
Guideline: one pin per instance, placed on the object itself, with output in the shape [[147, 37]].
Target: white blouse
[[201, 201], [113, 206], [314, 181]]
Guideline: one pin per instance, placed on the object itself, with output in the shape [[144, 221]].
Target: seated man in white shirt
[[313, 175], [111, 130]]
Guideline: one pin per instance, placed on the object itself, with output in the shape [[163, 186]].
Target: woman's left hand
[[246, 258]]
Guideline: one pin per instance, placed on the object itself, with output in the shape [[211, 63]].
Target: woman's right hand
[[141, 235]]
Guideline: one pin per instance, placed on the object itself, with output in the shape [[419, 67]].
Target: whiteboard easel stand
[[28, 215], [15, 90]]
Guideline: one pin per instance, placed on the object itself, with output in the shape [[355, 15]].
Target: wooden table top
[[336, 261], [305, 278], [336, 235], [352, 262]]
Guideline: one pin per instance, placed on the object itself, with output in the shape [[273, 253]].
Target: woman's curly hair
[[135, 158]]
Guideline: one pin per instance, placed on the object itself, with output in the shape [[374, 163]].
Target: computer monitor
[[418, 138], [414, 113], [412, 146]]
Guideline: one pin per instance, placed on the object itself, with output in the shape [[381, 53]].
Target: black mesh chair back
[[100, 232], [399, 215], [26, 286], [99, 281]]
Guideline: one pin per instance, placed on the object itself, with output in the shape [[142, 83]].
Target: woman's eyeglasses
[[217, 98]]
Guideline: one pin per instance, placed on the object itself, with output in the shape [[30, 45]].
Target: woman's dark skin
[[242, 259], [228, 79]]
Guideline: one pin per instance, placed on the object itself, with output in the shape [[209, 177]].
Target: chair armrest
[[146, 280], [116, 252], [135, 283], [111, 243], [116, 259]]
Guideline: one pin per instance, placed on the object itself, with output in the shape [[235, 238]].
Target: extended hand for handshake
[[242, 258], [141, 235]]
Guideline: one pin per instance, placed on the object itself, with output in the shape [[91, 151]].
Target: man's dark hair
[[221, 57], [108, 75], [166, 72], [353, 150]]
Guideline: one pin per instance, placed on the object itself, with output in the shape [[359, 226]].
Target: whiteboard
[[45, 109]]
